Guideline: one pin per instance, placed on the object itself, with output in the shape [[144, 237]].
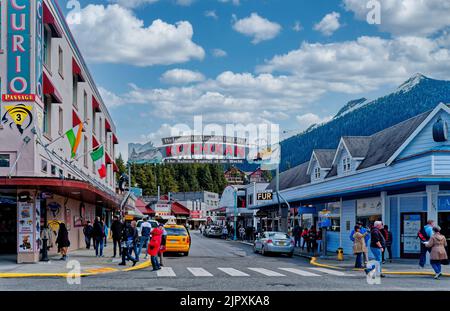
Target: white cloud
[[234, 2], [181, 76], [407, 17], [219, 53], [133, 3], [110, 99], [308, 119], [120, 37], [329, 24], [364, 64], [212, 14], [184, 2], [259, 28], [297, 26]]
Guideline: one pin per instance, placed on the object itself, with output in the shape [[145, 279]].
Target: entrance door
[[444, 223], [8, 225], [409, 243]]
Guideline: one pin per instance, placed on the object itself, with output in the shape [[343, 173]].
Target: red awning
[[143, 208], [76, 70], [108, 126], [50, 20], [115, 167], [95, 142], [108, 158], [115, 140], [179, 209], [95, 104], [50, 90], [75, 119]]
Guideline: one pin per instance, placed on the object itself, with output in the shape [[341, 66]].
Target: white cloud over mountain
[[121, 37]]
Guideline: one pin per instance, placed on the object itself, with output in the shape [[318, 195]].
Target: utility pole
[[235, 214]]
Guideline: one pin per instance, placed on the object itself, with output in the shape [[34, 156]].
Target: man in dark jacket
[[128, 238], [377, 245], [87, 230], [296, 234], [98, 235], [116, 231]]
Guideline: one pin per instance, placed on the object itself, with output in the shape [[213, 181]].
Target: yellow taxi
[[178, 239]]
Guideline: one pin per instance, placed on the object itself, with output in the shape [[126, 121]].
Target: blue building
[[400, 175]]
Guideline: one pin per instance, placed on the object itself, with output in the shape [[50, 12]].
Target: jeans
[[423, 255], [155, 263], [116, 243], [297, 241], [358, 262], [305, 242], [88, 242], [99, 247], [377, 254], [319, 245], [126, 255], [436, 267], [389, 250], [143, 241]]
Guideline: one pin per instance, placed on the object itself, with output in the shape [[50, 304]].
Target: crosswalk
[[168, 272]]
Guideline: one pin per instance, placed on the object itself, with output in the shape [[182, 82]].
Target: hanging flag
[[97, 156], [74, 135]]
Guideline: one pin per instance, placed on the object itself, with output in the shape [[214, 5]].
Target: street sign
[[264, 196]]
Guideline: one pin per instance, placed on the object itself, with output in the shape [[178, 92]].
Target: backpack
[[146, 231], [422, 235]]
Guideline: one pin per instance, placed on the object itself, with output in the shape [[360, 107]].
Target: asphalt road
[[217, 265]]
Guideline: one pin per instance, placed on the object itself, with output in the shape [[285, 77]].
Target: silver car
[[274, 242]]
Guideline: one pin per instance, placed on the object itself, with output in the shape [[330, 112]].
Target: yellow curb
[[315, 263], [143, 265], [102, 270]]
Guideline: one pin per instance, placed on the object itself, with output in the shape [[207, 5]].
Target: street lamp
[[235, 214]]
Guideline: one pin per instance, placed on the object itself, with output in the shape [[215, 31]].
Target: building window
[[47, 116], [335, 216], [75, 91], [317, 172], [4, 160], [61, 121], [346, 164], [85, 106], [47, 47], [44, 166], [60, 62], [85, 151], [53, 170]]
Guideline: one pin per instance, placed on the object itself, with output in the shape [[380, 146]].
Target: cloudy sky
[[159, 63]]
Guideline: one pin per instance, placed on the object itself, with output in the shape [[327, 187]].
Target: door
[[410, 224]]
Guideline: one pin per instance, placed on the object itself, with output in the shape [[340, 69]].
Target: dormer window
[[317, 172], [346, 164]]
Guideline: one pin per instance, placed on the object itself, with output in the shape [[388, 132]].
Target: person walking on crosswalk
[[154, 247]]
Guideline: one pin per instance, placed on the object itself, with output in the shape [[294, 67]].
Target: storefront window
[[368, 211], [4, 160], [335, 216]]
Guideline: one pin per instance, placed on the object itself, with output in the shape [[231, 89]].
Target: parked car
[[274, 242], [154, 224], [213, 232], [178, 239]]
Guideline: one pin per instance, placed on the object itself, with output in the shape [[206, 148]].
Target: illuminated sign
[[264, 196], [18, 97], [39, 49], [19, 41]]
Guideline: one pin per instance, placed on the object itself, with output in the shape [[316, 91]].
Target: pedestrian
[[304, 236], [98, 235], [116, 231], [146, 228], [438, 257], [127, 241], [359, 245], [224, 232], [388, 239], [162, 249], [363, 230], [135, 246], [63, 241], [424, 235], [154, 247], [296, 233], [377, 245], [105, 226], [242, 233], [87, 231], [319, 240], [312, 238]]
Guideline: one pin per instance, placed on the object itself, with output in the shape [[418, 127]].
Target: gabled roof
[[143, 207], [180, 209], [293, 177], [323, 156], [357, 146]]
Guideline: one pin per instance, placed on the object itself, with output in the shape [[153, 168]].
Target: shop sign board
[[368, 207], [264, 196], [163, 209]]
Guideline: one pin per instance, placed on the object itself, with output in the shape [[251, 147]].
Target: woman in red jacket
[[154, 246]]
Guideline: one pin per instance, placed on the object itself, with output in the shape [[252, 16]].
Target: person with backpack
[[146, 229], [424, 235], [127, 242], [98, 234], [87, 231]]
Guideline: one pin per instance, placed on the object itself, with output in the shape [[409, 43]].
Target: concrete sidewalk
[[89, 264]]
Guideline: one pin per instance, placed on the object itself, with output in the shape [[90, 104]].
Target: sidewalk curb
[[91, 272], [315, 263]]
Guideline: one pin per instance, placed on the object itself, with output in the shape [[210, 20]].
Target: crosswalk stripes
[[166, 272], [266, 272], [329, 271], [233, 272], [299, 272], [199, 272]]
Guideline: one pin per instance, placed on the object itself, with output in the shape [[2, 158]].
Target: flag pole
[[88, 152]]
